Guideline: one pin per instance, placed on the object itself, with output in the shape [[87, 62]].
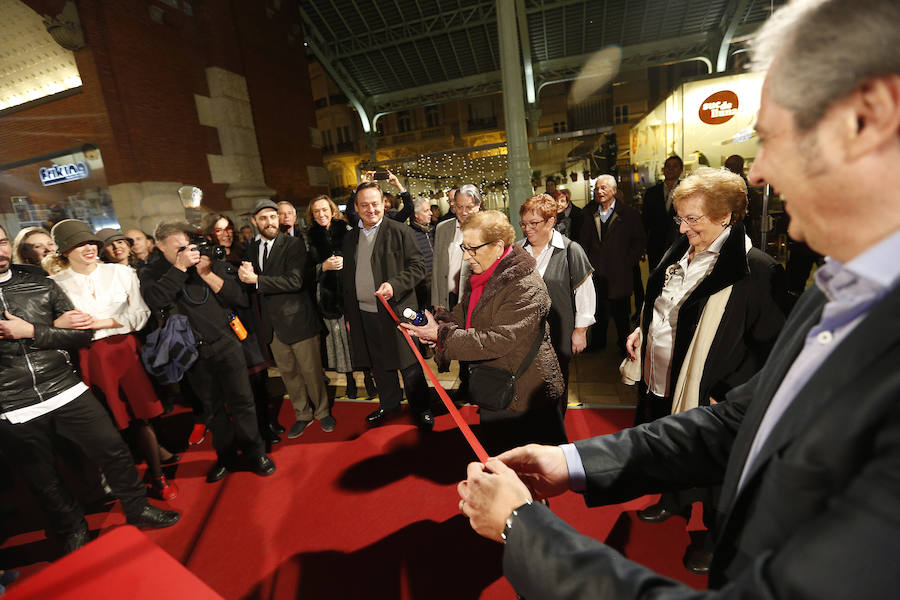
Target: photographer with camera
[[189, 282]]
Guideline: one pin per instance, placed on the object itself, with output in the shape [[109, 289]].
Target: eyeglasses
[[473, 249], [524, 224], [691, 221]]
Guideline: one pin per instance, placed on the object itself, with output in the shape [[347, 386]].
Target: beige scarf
[[687, 389]]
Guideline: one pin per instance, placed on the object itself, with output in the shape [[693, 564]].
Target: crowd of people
[[512, 313], [785, 480]]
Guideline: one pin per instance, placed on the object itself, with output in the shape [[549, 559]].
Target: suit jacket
[[396, 259], [817, 515], [621, 248], [285, 303], [753, 318], [440, 291], [661, 229]]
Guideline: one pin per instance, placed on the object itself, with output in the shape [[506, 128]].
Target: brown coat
[[512, 309]]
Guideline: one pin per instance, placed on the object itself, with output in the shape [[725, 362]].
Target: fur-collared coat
[[512, 309]]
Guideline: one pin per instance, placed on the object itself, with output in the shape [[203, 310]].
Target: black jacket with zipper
[[36, 369]]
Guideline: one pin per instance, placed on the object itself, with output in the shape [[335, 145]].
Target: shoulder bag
[[493, 388]]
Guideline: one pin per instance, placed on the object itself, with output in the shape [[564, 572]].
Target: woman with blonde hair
[[500, 328], [713, 309], [327, 229], [108, 300], [31, 245]]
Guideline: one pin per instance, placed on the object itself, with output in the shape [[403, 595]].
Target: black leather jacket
[[36, 369]]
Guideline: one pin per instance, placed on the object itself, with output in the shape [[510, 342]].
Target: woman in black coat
[[326, 237], [713, 310]]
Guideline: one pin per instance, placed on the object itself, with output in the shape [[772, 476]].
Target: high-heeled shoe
[[371, 390], [174, 458], [161, 489]]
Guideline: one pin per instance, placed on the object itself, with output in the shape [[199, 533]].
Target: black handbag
[[493, 388]]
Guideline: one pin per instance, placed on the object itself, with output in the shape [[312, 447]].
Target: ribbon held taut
[[467, 432]]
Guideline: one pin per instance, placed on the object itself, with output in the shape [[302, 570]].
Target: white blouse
[[110, 291], [585, 295], [682, 278]]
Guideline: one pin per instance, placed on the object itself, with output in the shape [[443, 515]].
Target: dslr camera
[[207, 248]]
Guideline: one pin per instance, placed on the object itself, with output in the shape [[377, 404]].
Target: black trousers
[[86, 423], [219, 378], [384, 370], [617, 308]]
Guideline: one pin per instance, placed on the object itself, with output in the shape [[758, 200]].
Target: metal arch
[[734, 13], [341, 78]]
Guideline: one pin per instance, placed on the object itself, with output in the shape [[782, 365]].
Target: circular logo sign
[[719, 108]]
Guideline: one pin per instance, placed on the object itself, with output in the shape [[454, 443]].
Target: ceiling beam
[[446, 22], [731, 18], [345, 82]]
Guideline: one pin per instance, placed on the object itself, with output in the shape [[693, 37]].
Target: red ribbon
[[451, 408]]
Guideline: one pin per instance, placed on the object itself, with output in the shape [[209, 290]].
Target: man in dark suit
[[613, 239], [381, 257], [275, 265], [808, 451], [658, 212]]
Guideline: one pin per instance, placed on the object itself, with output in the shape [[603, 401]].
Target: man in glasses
[[613, 238], [451, 273]]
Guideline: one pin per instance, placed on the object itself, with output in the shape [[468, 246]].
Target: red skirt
[[113, 366]]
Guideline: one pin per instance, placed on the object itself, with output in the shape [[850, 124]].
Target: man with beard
[[274, 266]]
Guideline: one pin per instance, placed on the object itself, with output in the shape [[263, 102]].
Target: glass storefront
[[43, 190]]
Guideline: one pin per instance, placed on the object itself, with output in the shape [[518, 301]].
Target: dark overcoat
[[396, 259], [753, 317], [621, 248]]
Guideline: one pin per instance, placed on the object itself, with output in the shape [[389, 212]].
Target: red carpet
[[366, 513]]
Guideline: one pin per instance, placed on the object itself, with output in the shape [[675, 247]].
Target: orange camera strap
[[451, 408]]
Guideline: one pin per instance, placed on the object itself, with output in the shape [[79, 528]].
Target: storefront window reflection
[[41, 191]]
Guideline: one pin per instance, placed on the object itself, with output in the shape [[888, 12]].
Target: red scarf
[[478, 282]]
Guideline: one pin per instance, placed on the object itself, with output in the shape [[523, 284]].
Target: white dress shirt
[[109, 291], [264, 244], [606, 214], [585, 295], [456, 257], [682, 278]]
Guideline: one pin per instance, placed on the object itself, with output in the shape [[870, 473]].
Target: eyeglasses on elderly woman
[[471, 250]]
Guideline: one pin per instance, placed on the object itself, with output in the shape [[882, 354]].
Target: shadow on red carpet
[[366, 513]]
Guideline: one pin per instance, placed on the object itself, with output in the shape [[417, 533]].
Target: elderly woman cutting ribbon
[[500, 327]]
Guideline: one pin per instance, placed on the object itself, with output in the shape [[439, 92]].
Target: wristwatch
[[509, 521]]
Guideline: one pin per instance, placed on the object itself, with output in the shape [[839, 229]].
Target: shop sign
[[719, 108], [63, 173]]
